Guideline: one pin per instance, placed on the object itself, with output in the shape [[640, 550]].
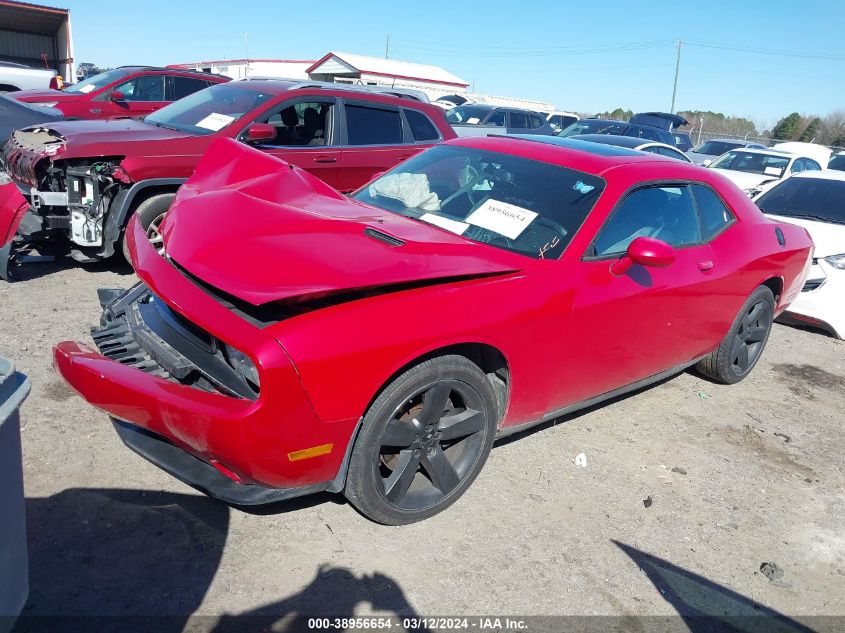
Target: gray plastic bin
[[14, 566]]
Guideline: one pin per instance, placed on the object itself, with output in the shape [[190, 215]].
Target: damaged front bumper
[[253, 442]]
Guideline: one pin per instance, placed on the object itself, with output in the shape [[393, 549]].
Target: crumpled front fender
[[13, 206]]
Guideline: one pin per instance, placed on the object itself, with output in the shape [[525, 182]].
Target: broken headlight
[[243, 364]]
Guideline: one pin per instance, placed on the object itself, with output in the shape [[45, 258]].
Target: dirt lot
[[737, 476]]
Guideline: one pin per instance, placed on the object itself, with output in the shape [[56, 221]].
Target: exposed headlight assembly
[[837, 261], [243, 364]]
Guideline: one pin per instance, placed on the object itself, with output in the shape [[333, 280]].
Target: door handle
[[325, 159], [705, 265]]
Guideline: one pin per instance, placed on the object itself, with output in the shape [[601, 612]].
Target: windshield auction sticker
[[445, 223], [502, 218], [215, 121]]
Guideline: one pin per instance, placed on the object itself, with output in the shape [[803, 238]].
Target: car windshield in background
[[521, 205], [593, 127], [837, 162], [752, 163], [819, 199], [98, 81], [715, 148], [209, 110], [467, 114]]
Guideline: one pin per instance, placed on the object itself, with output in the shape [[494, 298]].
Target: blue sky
[[582, 56]]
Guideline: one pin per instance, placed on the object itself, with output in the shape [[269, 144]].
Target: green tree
[[787, 128], [811, 131]]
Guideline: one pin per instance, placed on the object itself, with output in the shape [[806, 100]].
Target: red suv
[[84, 179], [129, 91]]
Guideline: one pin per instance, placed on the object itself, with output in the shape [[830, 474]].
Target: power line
[[767, 51]]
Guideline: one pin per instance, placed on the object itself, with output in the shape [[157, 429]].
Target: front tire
[[150, 213], [423, 441], [743, 345]]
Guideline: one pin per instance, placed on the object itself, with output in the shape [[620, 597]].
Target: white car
[[560, 120], [750, 169], [816, 201]]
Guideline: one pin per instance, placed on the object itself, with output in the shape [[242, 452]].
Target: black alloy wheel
[[743, 345], [423, 442], [751, 337]]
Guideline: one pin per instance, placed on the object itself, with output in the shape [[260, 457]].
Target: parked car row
[[278, 227]]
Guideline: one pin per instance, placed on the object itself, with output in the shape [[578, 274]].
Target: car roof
[[280, 86], [162, 69], [766, 150], [592, 158], [824, 174], [631, 142]]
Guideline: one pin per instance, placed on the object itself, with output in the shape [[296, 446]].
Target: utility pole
[[387, 48], [677, 69]]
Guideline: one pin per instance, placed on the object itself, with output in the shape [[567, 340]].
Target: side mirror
[[645, 251], [116, 95], [260, 132], [707, 162]]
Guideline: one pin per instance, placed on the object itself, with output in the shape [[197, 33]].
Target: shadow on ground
[[705, 606], [134, 561], [31, 268], [97, 554], [335, 593]]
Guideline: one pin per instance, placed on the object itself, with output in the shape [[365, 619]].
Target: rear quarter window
[[421, 126], [715, 215]]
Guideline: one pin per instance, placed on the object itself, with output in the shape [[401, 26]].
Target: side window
[[665, 151], [536, 121], [665, 213], [649, 134], [715, 216], [518, 120], [180, 87], [373, 126], [811, 165], [302, 124], [497, 118], [797, 166], [146, 88], [421, 126]]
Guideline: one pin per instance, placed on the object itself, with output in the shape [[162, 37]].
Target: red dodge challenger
[[292, 340]]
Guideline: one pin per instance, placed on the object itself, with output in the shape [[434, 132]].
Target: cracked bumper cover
[[251, 438]]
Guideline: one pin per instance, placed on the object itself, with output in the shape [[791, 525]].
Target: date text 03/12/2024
[[417, 623]]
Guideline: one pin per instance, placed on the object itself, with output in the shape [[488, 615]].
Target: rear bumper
[[201, 475]]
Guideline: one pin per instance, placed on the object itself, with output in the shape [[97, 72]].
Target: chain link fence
[[698, 136]]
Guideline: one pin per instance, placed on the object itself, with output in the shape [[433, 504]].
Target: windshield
[[752, 163], [98, 81], [471, 115], [513, 203], [837, 162], [593, 127], [209, 110], [716, 148], [813, 198]]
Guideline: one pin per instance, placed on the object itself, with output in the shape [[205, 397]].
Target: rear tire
[[743, 345], [150, 213], [423, 441]]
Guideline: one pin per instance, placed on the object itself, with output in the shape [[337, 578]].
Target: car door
[[375, 139], [639, 324], [306, 136], [142, 95], [518, 122]]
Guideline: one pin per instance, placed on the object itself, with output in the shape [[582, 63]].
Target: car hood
[[828, 238], [77, 139], [744, 180], [272, 232], [31, 96]]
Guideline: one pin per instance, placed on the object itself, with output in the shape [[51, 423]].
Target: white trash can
[[14, 565]]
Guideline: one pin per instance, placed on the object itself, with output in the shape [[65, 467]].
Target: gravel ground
[[736, 476]]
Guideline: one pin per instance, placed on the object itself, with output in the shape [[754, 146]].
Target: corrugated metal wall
[[26, 48]]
